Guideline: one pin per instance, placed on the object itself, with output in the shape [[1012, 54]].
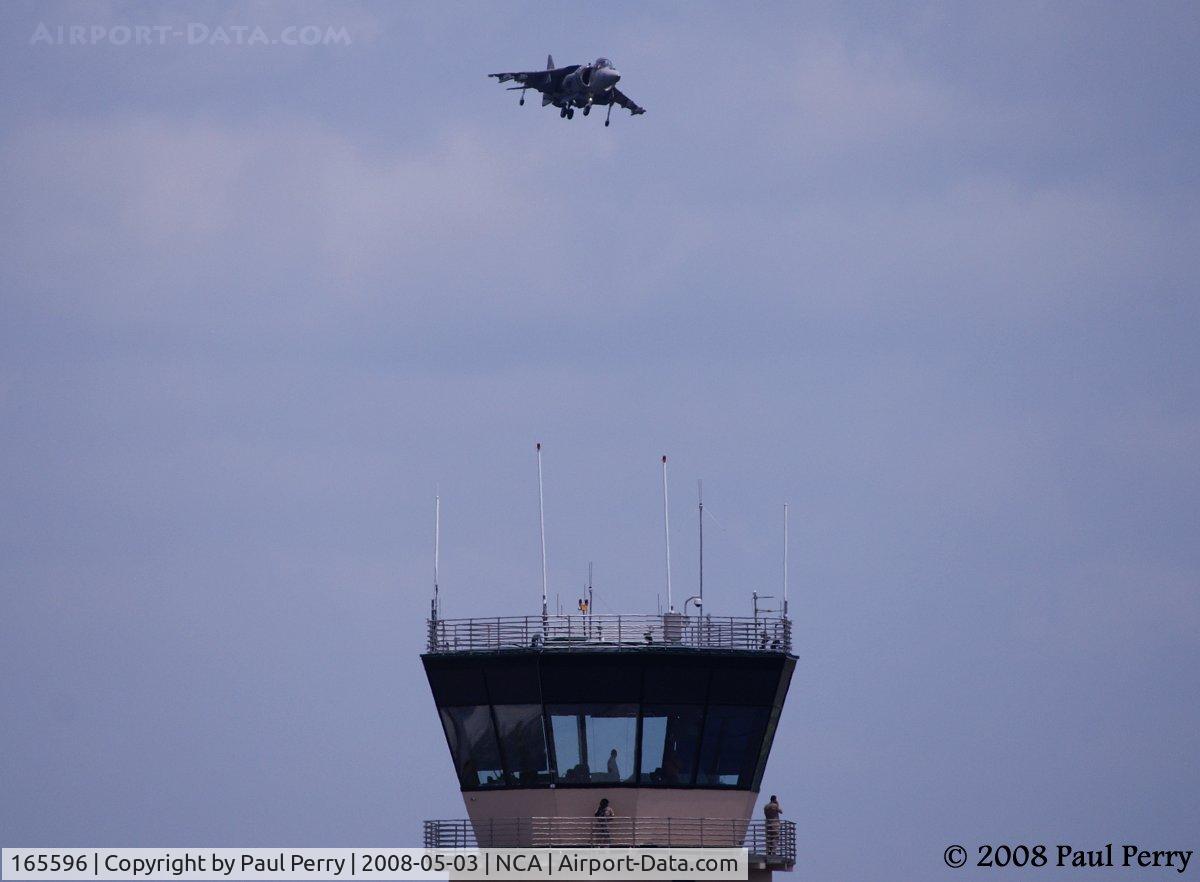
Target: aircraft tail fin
[[549, 62]]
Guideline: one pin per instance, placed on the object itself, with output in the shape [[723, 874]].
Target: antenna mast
[[700, 489], [542, 522], [437, 539], [667, 533], [785, 560]]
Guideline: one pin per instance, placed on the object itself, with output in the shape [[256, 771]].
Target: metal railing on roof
[[772, 842], [761, 634]]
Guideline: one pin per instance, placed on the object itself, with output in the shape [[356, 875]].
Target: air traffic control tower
[[670, 717]]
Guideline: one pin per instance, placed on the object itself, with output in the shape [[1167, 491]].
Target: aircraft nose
[[608, 77]]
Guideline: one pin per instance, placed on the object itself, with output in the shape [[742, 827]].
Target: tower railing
[[771, 841], [758, 634]]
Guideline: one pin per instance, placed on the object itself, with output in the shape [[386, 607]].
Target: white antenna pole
[[667, 532], [542, 522], [437, 542], [700, 490], [785, 560]]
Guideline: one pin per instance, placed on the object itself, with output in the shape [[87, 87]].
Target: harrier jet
[[576, 85]]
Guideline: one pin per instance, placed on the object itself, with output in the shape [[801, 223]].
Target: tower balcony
[[770, 844], [672, 631]]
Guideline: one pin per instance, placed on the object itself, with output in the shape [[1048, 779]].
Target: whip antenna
[[542, 522], [437, 539], [667, 533], [700, 491], [785, 560]]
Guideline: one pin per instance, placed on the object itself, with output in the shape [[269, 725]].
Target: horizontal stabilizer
[[549, 62]]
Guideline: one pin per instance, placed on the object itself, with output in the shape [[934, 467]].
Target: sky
[[927, 272]]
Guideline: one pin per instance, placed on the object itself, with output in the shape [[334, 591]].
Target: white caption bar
[[184, 864]]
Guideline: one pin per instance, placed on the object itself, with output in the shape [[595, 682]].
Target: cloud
[[846, 96], [297, 229], [120, 218]]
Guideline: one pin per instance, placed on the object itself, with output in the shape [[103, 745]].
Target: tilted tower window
[[729, 749], [594, 744], [473, 745], [673, 719], [670, 744], [523, 743]]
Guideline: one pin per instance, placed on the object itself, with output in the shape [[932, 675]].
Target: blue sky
[[925, 271]]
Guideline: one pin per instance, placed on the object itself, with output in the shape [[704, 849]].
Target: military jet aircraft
[[574, 86]]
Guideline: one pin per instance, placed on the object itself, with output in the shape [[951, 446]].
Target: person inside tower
[[772, 811], [614, 771], [670, 772]]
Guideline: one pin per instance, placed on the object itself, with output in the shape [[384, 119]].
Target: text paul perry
[[1129, 856]]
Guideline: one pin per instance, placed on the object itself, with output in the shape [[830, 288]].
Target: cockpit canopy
[[602, 63]]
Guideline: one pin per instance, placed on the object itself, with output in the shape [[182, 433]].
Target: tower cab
[[670, 718]]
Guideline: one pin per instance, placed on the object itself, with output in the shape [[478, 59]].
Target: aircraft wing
[[537, 79], [620, 99]]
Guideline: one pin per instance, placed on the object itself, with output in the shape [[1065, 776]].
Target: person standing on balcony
[[772, 811], [604, 816]]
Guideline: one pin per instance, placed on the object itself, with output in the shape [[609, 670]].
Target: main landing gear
[[567, 113]]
